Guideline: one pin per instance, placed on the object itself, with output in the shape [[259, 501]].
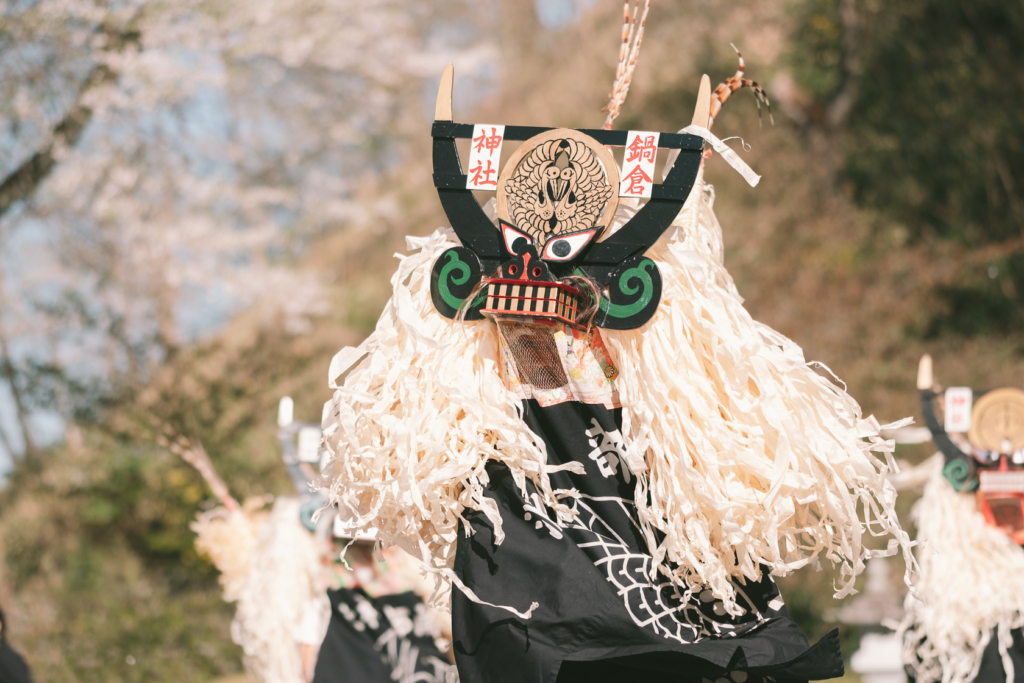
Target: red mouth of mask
[[1001, 498]]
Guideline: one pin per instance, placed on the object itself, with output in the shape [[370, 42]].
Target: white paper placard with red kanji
[[958, 404], [484, 155], [638, 164], [309, 444]]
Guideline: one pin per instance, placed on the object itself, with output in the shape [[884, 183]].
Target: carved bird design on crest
[[559, 188]]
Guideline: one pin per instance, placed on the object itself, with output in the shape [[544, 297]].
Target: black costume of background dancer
[[377, 640]]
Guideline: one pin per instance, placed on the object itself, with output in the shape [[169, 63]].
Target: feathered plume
[[734, 83], [226, 534], [268, 566], [195, 455], [629, 51]]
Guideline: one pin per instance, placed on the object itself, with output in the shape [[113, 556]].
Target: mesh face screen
[[1007, 513], [534, 353]]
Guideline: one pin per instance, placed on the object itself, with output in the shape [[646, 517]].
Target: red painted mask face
[[997, 424], [1001, 491]]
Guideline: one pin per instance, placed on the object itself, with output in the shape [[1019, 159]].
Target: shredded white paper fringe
[[228, 538], [268, 566], [971, 585], [750, 457]]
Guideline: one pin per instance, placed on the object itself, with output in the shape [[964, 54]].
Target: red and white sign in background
[[958, 404], [484, 155], [638, 164]]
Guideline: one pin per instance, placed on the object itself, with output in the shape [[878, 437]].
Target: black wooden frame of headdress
[[630, 282], [939, 434], [602, 259], [960, 468]]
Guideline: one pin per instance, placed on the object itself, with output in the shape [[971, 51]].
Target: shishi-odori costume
[[370, 625], [567, 413], [964, 621], [269, 567]]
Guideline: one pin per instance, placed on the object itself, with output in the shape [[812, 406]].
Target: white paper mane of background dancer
[[283, 570], [964, 622], [604, 454]]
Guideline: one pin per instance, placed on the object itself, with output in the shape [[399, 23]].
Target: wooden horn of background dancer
[[599, 486], [963, 621]]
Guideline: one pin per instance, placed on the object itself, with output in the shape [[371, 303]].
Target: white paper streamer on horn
[[754, 458], [971, 584], [730, 156]]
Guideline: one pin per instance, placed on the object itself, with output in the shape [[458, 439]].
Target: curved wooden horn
[[925, 380], [474, 228], [443, 108], [702, 112]]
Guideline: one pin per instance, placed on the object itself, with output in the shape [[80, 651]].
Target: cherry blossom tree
[[165, 164]]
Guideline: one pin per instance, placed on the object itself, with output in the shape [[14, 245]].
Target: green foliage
[[817, 48], [939, 140], [983, 302], [100, 541], [934, 140], [98, 538]]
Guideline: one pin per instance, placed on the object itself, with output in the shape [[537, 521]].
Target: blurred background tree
[[200, 200], [934, 141]]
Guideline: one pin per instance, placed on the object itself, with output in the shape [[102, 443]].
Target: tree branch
[[9, 373], [23, 182], [844, 100]]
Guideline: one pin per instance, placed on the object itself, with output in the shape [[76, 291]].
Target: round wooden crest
[[997, 421], [558, 183]]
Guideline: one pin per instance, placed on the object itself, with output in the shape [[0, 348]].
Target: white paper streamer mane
[[754, 459], [228, 538], [971, 584], [268, 565]]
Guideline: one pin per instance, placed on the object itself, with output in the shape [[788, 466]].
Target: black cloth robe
[[379, 640], [600, 616]]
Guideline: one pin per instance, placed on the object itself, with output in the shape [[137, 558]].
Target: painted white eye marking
[[511, 235], [565, 248]]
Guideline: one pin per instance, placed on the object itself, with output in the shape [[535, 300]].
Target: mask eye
[[985, 456], [565, 248], [512, 237]]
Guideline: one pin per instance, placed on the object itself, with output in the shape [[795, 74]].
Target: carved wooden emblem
[[557, 183], [997, 422]]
